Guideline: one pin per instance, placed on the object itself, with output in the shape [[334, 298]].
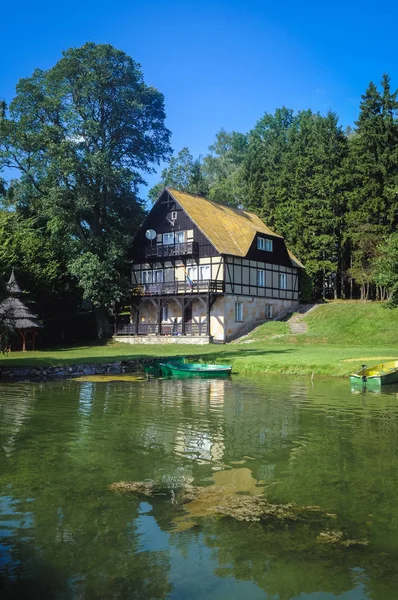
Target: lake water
[[65, 535]]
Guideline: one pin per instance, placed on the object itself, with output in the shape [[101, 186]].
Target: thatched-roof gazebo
[[14, 312]]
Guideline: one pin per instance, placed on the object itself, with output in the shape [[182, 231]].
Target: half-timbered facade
[[202, 271]]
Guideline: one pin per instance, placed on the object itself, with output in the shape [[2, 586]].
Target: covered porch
[[170, 319]]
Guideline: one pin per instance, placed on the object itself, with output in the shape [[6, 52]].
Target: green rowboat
[[377, 375], [170, 369], [152, 370]]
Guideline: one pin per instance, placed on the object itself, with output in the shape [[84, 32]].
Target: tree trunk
[[103, 327]]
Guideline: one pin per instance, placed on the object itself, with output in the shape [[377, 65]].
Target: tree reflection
[[63, 443]]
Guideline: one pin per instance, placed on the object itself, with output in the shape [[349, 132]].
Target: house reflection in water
[[193, 439]]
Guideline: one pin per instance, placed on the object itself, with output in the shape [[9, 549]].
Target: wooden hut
[[14, 312]]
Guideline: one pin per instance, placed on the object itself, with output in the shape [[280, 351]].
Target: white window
[[282, 281], [264, 244], [158, 276], [193, 273], [169, 275], [180, 237], [261, 243], [168, 239], [239, 312], [173, 215], [268, 311], [165, 312], [261, 277], [204, 272], [146, 277]]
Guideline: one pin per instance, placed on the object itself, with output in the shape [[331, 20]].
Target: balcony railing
[[182, 249], [196, 329], [206, 286]]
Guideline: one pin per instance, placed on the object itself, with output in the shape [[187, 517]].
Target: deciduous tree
[[81, 135], [184, 173]]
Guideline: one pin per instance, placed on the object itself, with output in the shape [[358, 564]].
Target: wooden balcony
[[195, 329], [172, 288], [172, 250]]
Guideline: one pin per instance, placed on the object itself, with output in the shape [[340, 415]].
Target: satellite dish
[[150, 234]]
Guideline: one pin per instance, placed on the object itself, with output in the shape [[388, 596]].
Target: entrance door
[[188, 319], [188, 314]]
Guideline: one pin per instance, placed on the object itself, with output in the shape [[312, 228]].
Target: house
[[205, 272]]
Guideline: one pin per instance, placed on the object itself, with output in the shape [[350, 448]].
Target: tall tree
[[81, 134], [374, 160], [385, 274], [293, 173], [266, 167], [223, 168], [317, 197], [184, 173]]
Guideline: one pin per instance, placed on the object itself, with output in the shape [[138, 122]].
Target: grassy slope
[[341, 336]]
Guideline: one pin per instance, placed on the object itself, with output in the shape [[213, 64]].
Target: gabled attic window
[[264, 244]]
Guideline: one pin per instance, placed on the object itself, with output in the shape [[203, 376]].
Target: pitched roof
[[295, 260], [12, 285], [14, 312], [230, 230]]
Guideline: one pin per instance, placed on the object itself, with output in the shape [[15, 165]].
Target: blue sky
[[218, 63]]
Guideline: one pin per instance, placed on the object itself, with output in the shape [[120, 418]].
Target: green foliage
[[218, 176], [386, 268], [80, 135], [306, 287], [293, 171], [183, 173], [41, 268], [266, 166], [331, 193], [98, 277], [25, 244], [366, 240], [372, 174], [223, 168]]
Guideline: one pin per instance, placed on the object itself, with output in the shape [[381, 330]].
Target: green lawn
[[341, 336]]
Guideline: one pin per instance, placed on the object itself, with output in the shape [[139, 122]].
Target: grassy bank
[[341, 336]]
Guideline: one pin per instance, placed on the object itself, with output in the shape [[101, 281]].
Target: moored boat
[[381, 374], [176, 369], [152, 370]]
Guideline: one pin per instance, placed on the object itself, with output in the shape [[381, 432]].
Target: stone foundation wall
[[253, 312], [118, 366]]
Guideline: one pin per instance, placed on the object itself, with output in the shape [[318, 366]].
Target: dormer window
[[264, 244]]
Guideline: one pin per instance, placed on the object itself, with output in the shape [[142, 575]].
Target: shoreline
[[293, 360]]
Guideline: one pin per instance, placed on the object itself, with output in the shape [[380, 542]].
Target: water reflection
[[64, 535]]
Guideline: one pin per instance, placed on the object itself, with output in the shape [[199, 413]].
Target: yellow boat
[[378, 374]]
